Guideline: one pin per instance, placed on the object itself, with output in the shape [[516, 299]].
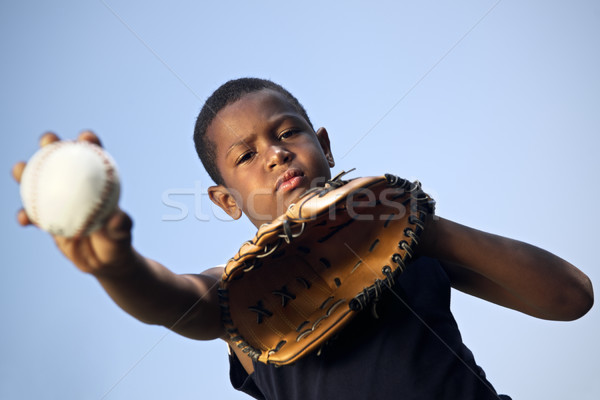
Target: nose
[[278, 155]]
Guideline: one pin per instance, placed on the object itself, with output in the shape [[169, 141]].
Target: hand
[[105, 251]]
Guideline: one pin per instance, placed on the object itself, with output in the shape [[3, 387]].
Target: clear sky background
[[494, 106]]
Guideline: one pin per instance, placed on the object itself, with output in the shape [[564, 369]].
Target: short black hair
[[226, 94]]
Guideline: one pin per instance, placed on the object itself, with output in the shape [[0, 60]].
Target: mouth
[[289, 180]]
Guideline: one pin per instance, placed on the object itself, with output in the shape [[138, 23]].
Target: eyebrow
[[242, 142], [280, 118]]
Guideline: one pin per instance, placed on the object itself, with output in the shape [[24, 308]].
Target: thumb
[[118, 227], [111, 245]]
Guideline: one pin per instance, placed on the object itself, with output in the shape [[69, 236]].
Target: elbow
[[581, 300], [587, 298]]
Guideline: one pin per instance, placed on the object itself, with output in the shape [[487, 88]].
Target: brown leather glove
[[305, 275]]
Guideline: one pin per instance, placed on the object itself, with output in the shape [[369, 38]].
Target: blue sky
[[493, 105]]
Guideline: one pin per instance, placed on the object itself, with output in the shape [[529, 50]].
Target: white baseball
[[70, 188]]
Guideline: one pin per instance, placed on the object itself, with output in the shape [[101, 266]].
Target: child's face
[[268, 155]]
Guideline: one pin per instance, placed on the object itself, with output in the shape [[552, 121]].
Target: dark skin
[[266, 150], [260, 139]]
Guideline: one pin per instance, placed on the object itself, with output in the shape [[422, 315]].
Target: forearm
[[153, 294], [509, 272]]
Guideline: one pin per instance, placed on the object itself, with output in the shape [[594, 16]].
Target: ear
[[323, 137], [224, 199]]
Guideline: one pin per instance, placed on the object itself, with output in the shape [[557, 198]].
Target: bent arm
[[508, 272]]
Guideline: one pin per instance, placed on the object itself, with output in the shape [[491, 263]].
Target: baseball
[[69, 188]]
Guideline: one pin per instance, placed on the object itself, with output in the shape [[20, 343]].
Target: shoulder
[[214, 272]]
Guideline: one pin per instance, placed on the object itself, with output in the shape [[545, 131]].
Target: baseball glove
[[305, 275]]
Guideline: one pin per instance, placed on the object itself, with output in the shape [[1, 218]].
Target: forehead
[[247, 114]]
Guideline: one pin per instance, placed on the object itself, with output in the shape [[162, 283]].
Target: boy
[[259, 146]]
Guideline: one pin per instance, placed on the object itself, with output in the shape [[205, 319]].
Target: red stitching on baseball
[[109, 185], [35, 177]]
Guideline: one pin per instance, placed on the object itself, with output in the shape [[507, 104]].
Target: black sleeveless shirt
[[413, 350]]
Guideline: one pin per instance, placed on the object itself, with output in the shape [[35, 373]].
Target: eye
[[245, 157], [289, 133]]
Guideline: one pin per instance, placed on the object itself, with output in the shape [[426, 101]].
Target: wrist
[[123, 265]]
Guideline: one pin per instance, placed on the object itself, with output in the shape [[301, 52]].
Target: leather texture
[[304, 276]]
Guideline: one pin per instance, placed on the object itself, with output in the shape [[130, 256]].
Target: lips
[[289, 180]]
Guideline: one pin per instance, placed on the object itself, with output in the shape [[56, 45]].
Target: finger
[[73, 249], [90, 136], [47, 138], [22, 218], [17, 171], [118, 227]]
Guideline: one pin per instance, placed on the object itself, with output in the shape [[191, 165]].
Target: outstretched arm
[[186, 304], [508, 272]]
